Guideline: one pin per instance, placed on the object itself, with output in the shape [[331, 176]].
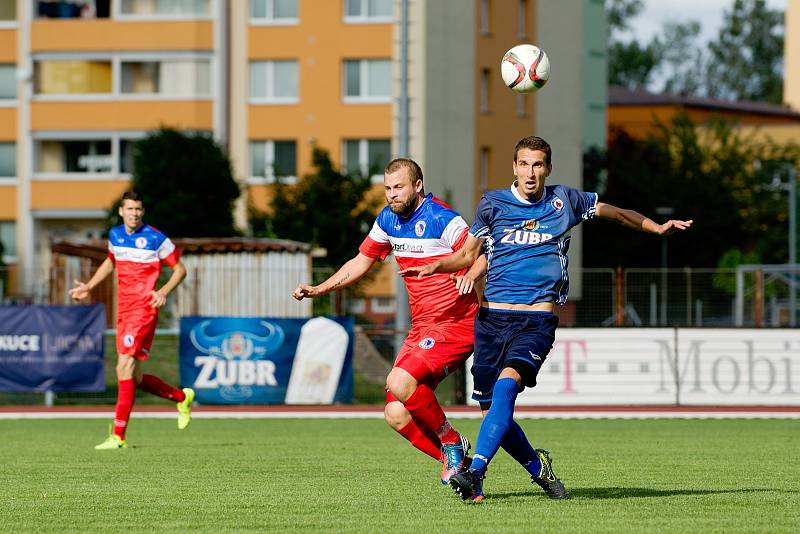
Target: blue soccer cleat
[[454, 458]]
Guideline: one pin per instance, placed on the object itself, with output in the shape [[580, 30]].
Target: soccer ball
[[525, 68]]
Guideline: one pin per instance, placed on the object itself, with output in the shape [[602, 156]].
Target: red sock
[[421, 440], [156, 386], [428, 415], [125, 398]]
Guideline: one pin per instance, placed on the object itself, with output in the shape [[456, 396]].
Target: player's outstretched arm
[[348, 274], [461, 259], [159, 297], [465, 283], [82, 290], [636, 221]]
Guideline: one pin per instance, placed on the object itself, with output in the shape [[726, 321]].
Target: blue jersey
[[527, 242]]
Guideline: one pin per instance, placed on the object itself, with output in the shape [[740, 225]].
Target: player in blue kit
[[525, 232]]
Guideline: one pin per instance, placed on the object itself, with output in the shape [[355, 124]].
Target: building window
[[8, 82], [8, 160], [483, 169], [367, 157], [382, 305], [357, 305], [273, 161], [368, 10], [126, 155], [522, 19], [274, 81], [166, 8], [368, 80], [97, 9], [173, 77], [8, 236], [8, 10], [484, 17], [274, 11], [484, 90], [60, 77], [73, 156]]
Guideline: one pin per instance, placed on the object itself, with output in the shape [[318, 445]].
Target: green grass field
[[358, 476]]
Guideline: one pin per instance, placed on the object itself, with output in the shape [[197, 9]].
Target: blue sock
[[517, 445], [495, 424]]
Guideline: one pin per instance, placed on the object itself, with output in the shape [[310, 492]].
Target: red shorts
[[432, 351], [135, 334]]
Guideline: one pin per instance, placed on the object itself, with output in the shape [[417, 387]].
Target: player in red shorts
[[418, 229], [137, 250]]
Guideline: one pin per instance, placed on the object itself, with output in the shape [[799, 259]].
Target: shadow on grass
[[634, 493]]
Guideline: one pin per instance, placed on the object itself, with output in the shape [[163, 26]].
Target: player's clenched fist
[[303, 291]]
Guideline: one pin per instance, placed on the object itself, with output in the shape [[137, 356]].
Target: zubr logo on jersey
[[419, 228], [141, 242], [514, 236], [235, 361]]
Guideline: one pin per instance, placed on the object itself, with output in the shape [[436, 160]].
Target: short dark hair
[[414, 170], [131, 195], [534, 143]]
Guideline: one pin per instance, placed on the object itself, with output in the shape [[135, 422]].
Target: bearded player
[[137, 250], [419, 228]]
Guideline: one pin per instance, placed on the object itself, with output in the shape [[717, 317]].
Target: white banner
[[666, 366]]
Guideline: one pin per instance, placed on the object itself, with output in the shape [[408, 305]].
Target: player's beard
[[404, 209]]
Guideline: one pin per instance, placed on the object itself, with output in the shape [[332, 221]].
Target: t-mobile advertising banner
[[668, 366], [238, 360], [52, 348]]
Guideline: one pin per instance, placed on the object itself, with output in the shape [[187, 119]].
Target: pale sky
[[707, 12]]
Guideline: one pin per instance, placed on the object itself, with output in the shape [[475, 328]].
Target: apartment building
[[81, 80]]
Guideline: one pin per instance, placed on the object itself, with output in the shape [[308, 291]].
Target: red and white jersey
[[138, 258], [432, 232]]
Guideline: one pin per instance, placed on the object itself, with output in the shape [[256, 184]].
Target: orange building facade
[[80, 82]]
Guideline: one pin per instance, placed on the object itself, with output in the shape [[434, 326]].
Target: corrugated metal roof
[[622, 96]]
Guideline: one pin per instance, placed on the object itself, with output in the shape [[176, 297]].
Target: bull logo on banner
[[236, 361]]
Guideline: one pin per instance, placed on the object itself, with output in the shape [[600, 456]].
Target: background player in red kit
[[419, 229], [137, 250]]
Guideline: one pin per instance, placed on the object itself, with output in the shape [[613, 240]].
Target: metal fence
[[751, 296]]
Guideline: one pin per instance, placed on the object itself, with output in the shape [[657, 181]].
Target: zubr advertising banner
[[238, 360], [52, 348]]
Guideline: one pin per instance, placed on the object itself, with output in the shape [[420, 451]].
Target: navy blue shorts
[[505, 338]]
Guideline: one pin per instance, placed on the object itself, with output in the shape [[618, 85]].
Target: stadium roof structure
[[622, 96]]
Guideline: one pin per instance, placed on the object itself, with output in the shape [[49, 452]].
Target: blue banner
[[239, 360], [52, 348]]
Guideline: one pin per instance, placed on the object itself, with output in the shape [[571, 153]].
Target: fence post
[[619, 312], [758, 304]]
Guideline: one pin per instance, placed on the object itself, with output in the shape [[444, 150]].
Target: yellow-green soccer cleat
[[185, 409], [112, 442]]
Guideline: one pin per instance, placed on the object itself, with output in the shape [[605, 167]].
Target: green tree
[[713, 174], [746, 60], [630, 64], [326, 208], [186, 184], [683, 62]]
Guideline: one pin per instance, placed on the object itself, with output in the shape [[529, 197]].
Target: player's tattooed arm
[[348, 274], [341, 281]]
